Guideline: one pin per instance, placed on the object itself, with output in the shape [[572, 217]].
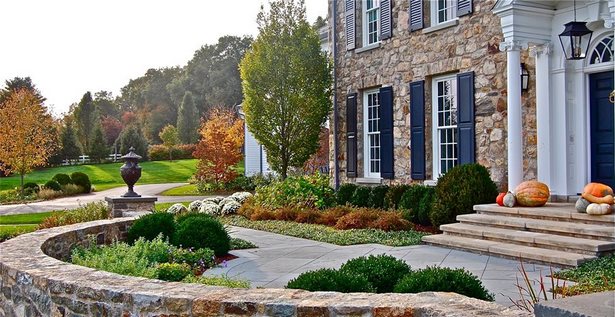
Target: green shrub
[[240, 244], [410, 200], [393, 196], [81, 179], [71, 189], [199, 258], [459, 190], [88, 212], [61, 178], [425, 206], [31, 187], [180, 218], [150, 226], [331, 280], [382, 271], [217, 281], [53, 185], [360, 198], [438, 279], [376, 197], [173, 272], [344, 193], [311, 191], [202, 232]]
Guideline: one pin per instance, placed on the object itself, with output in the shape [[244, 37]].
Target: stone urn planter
[[131, 172]]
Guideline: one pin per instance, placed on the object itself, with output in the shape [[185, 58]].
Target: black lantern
[[576, 38], [525, 78]]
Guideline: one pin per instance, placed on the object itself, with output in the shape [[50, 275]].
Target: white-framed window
[[371, 22], [371, 133], [443, 11], [444, 127]]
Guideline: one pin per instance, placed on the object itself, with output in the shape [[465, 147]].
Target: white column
[[543, 100], [515, 132]]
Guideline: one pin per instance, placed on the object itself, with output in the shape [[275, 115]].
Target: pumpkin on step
[[509, 200], [608, 199], [581, 204], [598, 190], [598, 209], [500, 199], [532, 194]]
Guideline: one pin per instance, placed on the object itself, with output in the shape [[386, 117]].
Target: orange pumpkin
[[598, 190], [532, 194], [500, 199]]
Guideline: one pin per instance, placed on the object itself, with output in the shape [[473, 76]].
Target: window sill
[[441, 26], [367, 48], [369, 180], [430, 182]]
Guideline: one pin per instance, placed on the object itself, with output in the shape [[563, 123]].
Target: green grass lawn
[[106, 176], [186, 190]]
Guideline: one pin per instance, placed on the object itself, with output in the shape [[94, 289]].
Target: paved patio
[[281, 258]]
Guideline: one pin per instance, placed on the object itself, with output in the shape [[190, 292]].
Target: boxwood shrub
[[200, 232], [393, 196], [31, 187], [53, 185], [63, 179], [81, 179], [410, 201], [360, 198], [344, 193], [150, 226], [382, 271], [376, 197], [331, 280]]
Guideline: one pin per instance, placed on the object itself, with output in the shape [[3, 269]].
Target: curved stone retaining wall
[[36, 282]]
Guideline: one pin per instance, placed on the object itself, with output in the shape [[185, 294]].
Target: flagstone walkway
[[281, 258]]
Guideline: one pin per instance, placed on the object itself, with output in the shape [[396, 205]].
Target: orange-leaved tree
[[219, 147], [27, 133]]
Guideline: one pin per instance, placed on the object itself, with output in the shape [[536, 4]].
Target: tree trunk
[[22, 191]]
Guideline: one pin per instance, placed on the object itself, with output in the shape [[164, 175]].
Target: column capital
[[542, 49], [512, 45]]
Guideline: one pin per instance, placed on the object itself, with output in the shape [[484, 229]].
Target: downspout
[[336, 168]]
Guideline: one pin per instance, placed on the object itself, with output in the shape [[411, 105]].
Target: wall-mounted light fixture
[[525, 77]]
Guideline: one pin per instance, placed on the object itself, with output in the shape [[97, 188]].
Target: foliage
[[88, 212], [159, 152], [151, 226], [83, 115], [344, 193], [170, 139], [331, 280], [72, 189], [442, 279], [98, 150], [425, 205], [62, 179], [327, 234], [357, 219], [219, 149], [310, 191], [459, 190], [47, 193], [596, 275], [196, 259], [241, 244], [132, 136], [377, 195], [19, 83], [360, 197], [390, 221], [187, 120], [112, 128], [105, 104], [31, 187], [217, 281], [319, 161], [203, 233], [70, 147], [173, 272], [179, 219], [393, 196], [81, 179], [27, 133], [53, 185], [382, 271], [286, 81], [411, 200]]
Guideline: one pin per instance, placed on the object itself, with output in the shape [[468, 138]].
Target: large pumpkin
[[598, 190], [532, 194]]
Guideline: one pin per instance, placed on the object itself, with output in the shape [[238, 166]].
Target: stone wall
[[33, 283], [470, 45]]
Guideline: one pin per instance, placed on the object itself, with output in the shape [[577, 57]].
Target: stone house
[[422, 86]]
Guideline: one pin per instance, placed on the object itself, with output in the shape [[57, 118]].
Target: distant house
[[255, 156]]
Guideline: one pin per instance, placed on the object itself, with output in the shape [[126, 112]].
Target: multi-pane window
[[371, 23], [603, 52], [443, 10], [444, 124], [371, 129]]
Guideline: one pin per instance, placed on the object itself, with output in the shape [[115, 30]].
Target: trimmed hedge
[[344, 193], [332, 281], [377, 195], [150, 226]]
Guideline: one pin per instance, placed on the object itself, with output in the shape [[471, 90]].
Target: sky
[[68, 47]]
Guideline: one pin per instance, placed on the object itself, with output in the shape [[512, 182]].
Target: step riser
[[559, 231], [529, 244], [538, 217]]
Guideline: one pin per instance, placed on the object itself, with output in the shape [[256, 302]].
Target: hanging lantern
[[575, 38]]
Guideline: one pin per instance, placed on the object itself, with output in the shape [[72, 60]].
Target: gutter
[[336, 168]]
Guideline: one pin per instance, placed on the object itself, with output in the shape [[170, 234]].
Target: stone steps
[[554, 234]]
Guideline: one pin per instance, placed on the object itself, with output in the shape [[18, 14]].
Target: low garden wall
[[35, 281]]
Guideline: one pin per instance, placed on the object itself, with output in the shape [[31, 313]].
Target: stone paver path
[[281, 258]]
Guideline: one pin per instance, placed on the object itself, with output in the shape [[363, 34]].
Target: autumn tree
[[112, 128], [219, 148], [287, 85], [170, 138], [26, 140], [188, 120]]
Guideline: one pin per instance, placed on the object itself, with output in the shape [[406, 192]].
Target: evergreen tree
[[188, 120], [132, 136], [83, 118], [70, 145], [98, 147]]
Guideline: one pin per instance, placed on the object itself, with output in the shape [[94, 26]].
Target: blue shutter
[[351, 135], [465, 118], [417, 129], [385, 97], [350, 24], [386, 22], [464, 7], [416, 15]]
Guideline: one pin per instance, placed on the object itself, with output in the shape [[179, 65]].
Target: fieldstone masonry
[[472, 44], [36, 282], [119, 206]]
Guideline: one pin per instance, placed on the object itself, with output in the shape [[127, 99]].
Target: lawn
[[106, 176], [186, 190]]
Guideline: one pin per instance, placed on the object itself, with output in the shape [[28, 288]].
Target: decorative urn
[[131, 172]]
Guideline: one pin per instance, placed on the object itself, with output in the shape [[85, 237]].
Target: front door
[[602, 128]]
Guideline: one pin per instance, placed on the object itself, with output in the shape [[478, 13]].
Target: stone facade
[[34, 281], [122, 205], [470, 44]]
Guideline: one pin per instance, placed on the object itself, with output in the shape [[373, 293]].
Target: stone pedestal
[[121, 205]]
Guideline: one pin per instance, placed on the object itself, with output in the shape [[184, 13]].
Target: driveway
[[74, 201]]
